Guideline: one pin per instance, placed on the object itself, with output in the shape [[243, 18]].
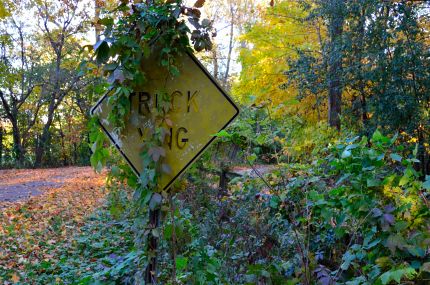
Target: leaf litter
[[30, 228]]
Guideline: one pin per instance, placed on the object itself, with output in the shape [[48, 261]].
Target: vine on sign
[[162, 108]]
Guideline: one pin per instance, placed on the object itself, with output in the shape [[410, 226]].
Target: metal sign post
[[151, 269]]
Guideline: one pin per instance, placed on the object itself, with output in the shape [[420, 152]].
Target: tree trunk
[[215, 62], [17, 144], [324, 66], [12, 115], [361, 84], [97, 26], [53, 104], [335, 63], [75, 153], [223, 181], [41, 146], [1, 145], [63, 149], [230, 46]]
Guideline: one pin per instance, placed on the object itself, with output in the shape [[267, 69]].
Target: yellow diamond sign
[[200, 109]]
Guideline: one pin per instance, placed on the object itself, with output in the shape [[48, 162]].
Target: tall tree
[[230, 18], [1, 142], [378, 62], [268, 47], [20, 68], [335, 11], [39, 68], [60, 22], [355, 62]]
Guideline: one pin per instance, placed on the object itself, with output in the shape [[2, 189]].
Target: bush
[[358, 215]]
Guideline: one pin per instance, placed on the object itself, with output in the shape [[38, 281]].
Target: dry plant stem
[[259, 175], [308, 232], [172, 217], [340, 270], [304, 259]]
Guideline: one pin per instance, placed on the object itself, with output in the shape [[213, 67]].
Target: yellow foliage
[[3, 11], [272, 41]]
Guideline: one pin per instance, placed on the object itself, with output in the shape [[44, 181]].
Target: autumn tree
[[60, 23], [269, 46], [41, 67], [21, 67]]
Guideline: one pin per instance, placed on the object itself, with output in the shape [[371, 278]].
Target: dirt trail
[[21, 184]]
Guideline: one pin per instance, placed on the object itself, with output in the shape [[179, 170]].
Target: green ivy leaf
[[373, 182], [110, 66], [174, 70], [396, 157], [181, 263], [426, 184], [223, 134], [377, 136], [404, 180], [386, 277], [108, 21], [102, 51], [416, 251], [274, 202], [347, 258], [261, 139], [395, 241], [155, 233], [415, 151], [396, 275], [251, 158], [168, 232], [346, 153]]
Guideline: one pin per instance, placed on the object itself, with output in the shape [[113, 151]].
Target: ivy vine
[[133, 32]]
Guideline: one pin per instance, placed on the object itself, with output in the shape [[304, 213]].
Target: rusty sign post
[[201, 108], [151, 269]]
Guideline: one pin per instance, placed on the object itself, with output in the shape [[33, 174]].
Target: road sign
[[200, 109]]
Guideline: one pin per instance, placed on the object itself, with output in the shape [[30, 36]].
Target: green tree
[[377, 54], [60, 24], [41, 68], [20, 82]]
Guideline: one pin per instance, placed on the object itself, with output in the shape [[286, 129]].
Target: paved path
[[251, 171], [21, 184]]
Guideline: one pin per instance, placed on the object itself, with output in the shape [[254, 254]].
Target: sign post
[[200, 109], [151, 269]]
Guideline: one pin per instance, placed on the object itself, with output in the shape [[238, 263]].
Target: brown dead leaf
[[199, 3], [15, 278]]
